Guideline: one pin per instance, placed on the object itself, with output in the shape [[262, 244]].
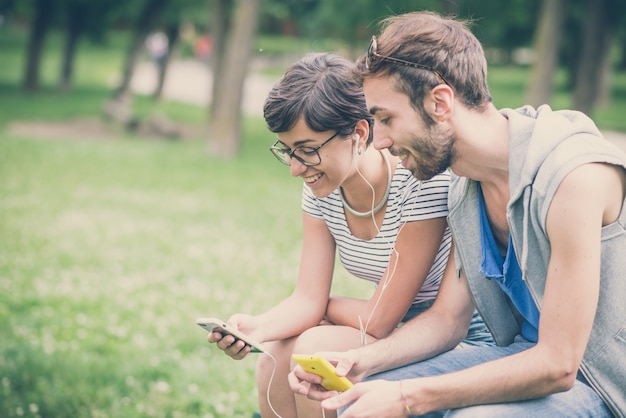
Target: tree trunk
[[598, 33], [172, 31], [621, 66], [76, 13], [144, 24], [547, 41], [225, 124], [39, 29], [220, 22], [606, 73]]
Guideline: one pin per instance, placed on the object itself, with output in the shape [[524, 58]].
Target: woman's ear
[[363, 131]]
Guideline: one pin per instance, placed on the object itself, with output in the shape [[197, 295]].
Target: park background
[[130, 207]]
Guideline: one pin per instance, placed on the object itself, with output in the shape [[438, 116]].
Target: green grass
[[508, 88], [110, 249]]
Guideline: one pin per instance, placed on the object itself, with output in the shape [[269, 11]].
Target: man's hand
[[374, 399], [308, 384]]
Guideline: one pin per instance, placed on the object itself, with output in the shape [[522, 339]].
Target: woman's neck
[[371, 172]]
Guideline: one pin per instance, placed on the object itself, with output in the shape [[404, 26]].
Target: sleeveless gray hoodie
[[544, 146]]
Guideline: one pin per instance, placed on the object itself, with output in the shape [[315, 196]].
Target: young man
[[538, 216]]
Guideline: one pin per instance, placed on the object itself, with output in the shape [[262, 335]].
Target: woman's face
[[336, 157]]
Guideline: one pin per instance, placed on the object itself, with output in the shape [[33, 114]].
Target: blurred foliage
[[116, 247], [497, 23], [98, 66]]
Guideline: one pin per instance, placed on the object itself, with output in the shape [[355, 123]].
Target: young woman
[[359, 202]]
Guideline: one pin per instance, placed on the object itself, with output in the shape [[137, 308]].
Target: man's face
[[398, 126]]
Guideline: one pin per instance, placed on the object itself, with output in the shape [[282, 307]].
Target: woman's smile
[[310, 180]]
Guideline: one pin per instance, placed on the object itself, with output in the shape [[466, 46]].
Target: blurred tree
[[621, 37], [225, 118], [220, 22], [79, 18], [43, 11], [145, 22], [356, 21], [74, 17], [572, 40], [172, 34], [288, 17], [592, 67], [172, 18], [547, 42], [120, 107], [76, 12], [504, 26]]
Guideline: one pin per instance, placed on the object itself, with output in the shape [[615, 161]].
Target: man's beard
[[432, 153]]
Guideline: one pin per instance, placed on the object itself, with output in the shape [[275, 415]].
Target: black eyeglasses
[[308, 156], [373, 56]]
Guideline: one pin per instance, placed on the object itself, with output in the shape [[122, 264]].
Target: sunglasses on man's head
[[373, 56]]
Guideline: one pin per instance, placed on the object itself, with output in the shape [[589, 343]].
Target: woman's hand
[[230, 345]]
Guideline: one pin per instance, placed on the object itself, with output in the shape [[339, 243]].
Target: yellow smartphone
[[322, 367], [215, 324]]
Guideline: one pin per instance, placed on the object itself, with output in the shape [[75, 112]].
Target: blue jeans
[[580, 401]]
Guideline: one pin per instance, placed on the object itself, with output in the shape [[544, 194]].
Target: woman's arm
[[305, 307], [416, 248]]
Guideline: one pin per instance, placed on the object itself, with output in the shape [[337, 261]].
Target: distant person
[[203, 48], [387, 227], [538, 216], [158, 46]]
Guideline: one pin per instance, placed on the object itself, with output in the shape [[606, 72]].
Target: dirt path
[[189, 81]]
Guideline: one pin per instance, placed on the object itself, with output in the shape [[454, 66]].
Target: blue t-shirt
[[507, 274]]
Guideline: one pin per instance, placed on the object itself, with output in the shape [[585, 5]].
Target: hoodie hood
[[544, 146], [546, 129]]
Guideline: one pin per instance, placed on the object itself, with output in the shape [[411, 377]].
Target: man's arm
[[588, 198], [438, 329], [433, 332]]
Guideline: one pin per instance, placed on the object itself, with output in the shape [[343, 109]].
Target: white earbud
[[356, 145]]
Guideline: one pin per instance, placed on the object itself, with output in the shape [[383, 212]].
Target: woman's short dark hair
[[321, 89]]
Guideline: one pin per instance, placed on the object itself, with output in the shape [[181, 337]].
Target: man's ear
[[441, 102]]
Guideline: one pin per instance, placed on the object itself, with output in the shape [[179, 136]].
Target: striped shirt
[[409, 200]]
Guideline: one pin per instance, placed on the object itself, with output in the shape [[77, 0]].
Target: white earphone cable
[[390, 271], [269, 383]]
